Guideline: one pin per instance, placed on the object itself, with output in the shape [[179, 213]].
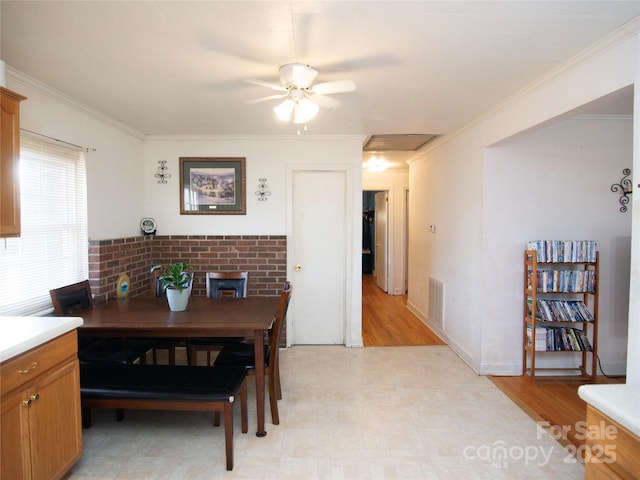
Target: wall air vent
[[436, 302]]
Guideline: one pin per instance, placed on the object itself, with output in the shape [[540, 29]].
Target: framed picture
[[212, 186]]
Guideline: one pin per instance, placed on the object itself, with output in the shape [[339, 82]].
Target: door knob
[[298, 268]]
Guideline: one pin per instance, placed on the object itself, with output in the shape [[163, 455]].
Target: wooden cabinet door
[[9, 163], [54, 422], [14, 437]]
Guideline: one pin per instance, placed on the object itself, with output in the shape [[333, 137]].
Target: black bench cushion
[[241, 354], [160, 382]]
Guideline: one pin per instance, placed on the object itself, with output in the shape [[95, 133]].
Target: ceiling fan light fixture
[[376, 164], [304, 111], [284, 110], [303, 100], [298, 74]]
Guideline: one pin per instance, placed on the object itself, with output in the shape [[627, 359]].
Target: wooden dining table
[[204, 317]]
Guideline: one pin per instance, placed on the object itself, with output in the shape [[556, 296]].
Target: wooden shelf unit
[[587, 370]]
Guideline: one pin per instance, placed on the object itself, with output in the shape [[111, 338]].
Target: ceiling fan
[[302, 98]]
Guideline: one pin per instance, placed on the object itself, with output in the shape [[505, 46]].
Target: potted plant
[[176, 279]]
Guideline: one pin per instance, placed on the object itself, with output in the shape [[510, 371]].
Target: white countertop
[[19, 334], [620, 402]]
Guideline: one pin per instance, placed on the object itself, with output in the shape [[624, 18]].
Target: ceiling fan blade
[[264, 99], [338, 86], [325, 102], [262, 83]]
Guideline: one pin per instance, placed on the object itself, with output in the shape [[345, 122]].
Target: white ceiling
[[163, 67]]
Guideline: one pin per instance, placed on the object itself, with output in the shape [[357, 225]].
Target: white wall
[[633, 343], [447, 189], [266, 157], [396, 182], [555, 183]]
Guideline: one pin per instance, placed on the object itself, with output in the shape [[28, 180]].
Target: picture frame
[[213, 186]]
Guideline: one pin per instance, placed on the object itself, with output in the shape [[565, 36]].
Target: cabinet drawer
[[23, 368]]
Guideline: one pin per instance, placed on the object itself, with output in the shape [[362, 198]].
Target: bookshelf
[[560, 309]]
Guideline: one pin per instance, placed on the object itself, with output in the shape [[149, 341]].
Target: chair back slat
[[71, 298], [156, 284], [227, 283]]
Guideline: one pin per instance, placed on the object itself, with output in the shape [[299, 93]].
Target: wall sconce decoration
[[625, 188], [162, 171], [262, 192]]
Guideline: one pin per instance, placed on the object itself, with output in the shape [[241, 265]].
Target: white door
[[381, 223], [318, 256]]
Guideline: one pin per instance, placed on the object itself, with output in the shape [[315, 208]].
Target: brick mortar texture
[[263, 256]]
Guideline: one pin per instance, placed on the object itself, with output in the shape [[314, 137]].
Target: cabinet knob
[[298, 267], [33, 366], [30, 400]]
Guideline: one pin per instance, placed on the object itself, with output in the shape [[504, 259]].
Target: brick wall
[[108, 259], [263, 256]]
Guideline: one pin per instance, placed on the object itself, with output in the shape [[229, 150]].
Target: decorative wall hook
[[625, 188], [262, 192], [162, 171]]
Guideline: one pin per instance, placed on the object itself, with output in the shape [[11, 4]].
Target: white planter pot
[[178, 299]]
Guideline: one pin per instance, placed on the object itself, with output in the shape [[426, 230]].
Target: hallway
[[387, 322]]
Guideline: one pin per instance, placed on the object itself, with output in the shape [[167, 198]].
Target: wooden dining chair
[[219, 284], [227, 283], [72, 299], [243, 353]]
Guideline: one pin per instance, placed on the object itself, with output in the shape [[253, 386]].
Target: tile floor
[[347, 413]]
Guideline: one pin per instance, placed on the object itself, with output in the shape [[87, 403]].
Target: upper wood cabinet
[[10, 163]]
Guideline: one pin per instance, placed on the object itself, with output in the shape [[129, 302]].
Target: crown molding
[[235, 137], [609, 41], [62, 97], [621, 34], [51, 92]]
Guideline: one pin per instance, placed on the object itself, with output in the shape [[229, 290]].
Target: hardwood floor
[[554, 402], [386, 321]]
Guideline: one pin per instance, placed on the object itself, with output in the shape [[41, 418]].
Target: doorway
[[386, 321], [375, 236]]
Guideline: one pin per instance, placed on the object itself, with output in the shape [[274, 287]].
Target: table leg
[[258, 351]]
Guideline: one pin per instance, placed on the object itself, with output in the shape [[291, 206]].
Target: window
[[52, 250]]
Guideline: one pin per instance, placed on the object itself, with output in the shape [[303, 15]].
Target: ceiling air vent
[[397, 143]]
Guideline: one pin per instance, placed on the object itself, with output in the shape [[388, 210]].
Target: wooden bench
[[166, 387]]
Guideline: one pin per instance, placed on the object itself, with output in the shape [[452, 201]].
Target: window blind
[[52, 250]]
